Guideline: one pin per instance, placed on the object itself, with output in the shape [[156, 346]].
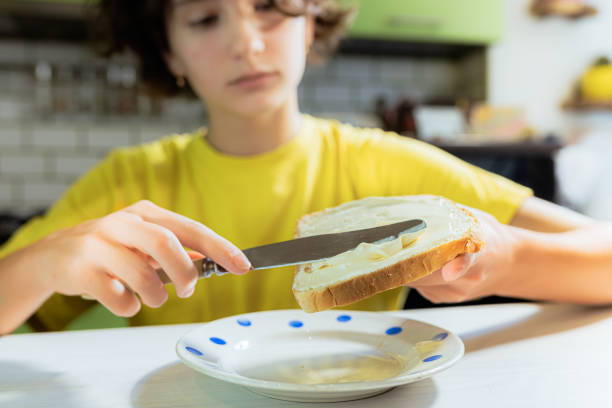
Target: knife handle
[[206, 268]]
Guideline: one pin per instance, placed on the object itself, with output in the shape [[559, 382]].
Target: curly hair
[[140, 26]]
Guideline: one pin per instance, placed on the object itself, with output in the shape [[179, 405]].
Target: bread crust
[[390, 277]]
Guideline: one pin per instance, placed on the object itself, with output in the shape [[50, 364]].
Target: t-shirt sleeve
[[386, 164], [92, 196]]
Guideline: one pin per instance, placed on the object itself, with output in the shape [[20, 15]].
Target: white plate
[[322, 357]]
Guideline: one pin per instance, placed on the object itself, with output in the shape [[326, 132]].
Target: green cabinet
[[77, 2], [453, 21]]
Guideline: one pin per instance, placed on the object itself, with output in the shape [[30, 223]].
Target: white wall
[[537, 60]]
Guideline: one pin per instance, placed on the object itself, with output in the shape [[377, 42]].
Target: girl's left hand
[[472, 276]]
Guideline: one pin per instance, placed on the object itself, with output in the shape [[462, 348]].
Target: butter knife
[[307, 249]]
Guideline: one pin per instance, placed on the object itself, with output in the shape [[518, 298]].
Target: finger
[[135, 271], [442, 294], [157, 242], [195, 235], [456, 268], [112, 294], [433, 279], [195, 255], [147, 258], [151, 261], [430, 294], [449, 272]]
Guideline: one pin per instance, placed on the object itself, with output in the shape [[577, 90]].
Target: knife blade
[[307, 249]]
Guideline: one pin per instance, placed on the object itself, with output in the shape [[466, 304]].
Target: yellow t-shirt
[[257, 200]]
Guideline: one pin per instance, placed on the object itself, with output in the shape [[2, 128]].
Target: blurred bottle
[[43, 94], [86, 91], [100, 89], [64, 90], [398, 118], [112, 94], [128, 98]]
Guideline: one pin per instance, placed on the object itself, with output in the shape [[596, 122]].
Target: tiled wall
[[45, 144]]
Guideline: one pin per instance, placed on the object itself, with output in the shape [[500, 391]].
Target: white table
[[517, 355]]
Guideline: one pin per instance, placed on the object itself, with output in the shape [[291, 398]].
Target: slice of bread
[[373, 268]]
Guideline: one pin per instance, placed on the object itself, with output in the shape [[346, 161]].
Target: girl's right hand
[[98, 256]]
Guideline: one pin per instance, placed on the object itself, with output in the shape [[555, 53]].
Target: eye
[[265, 6], [204, 21]]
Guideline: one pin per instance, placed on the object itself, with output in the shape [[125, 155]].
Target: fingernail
[[449, 273], [241, 261], [189, 289], [471, 259], [188, 293], [118, 286]]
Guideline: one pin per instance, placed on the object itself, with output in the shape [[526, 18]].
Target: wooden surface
[[537, 148], [585, 106], [517, 355]]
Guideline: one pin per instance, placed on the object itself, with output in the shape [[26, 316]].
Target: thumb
[[456, 268]]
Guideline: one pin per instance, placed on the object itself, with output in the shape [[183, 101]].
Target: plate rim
[[331, 388]]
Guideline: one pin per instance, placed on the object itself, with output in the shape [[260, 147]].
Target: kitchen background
[[505, 84]]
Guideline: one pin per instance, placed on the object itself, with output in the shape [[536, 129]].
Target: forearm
[[573, 266], [22, 292]]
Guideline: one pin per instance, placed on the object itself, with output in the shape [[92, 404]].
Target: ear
[[174, 64]]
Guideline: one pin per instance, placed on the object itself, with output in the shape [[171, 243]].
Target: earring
[[180, 81], [308, 47]]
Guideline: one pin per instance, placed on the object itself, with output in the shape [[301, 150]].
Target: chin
[[259, 104]]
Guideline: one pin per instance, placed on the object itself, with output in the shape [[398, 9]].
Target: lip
[[253, 80]]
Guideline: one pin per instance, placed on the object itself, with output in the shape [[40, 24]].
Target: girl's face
[[239, 56]]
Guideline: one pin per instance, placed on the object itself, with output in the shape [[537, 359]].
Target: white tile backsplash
[[42, 152], [71, 166], [150, 132], [55, 137], [37, 194], [12, 164], [332, 93], [20, 82], [14, 107], [352, 67], [398, 69], [6, 195], [10, 136], [315, 73], [109, 137], [65, 53], [14, 51]]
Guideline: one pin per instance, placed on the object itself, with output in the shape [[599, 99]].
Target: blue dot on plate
[[217, 340], [440, 336], [194, 351], [344, 318], [244, 322], [391, 331], [296, 323], [432, 358]]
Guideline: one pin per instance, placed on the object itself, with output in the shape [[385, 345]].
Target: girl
[[247, 178]]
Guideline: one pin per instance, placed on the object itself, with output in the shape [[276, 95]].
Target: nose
[[247, 39]]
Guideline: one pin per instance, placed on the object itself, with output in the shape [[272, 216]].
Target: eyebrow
[[177, 3]]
